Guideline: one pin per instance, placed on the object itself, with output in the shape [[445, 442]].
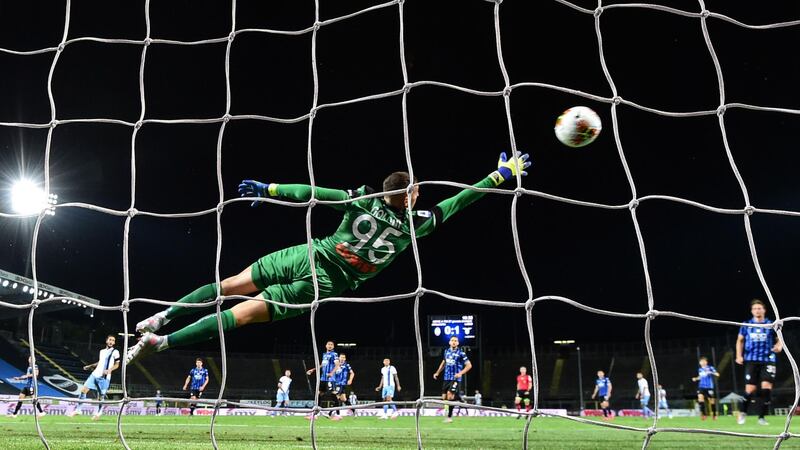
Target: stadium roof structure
[[18, 290]]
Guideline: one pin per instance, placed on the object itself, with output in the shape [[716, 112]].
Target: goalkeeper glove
[[253, 188], [508, 168]]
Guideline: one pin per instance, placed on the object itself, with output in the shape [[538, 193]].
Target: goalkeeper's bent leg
[[202, 294], [247, 312], [203, 330], [239, 284]]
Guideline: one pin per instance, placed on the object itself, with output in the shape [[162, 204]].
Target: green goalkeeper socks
[[202, 294], [203, 330]]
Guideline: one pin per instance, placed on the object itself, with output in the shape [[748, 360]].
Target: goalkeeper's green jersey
[[372, 233]]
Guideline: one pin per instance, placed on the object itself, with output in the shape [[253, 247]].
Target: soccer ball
[[578, 126]]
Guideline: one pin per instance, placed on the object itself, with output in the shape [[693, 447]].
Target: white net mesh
[[702, 15]]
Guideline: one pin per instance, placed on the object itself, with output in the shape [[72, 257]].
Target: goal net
[[701, 16]]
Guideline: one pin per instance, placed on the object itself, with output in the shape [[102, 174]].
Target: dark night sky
[[699, 261]]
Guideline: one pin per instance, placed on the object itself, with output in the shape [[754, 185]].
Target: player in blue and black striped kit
[[705, 387], [33, 372], [602, 388], [326, 366], [756, 348], [455, 364], [198, 376], [343, 376]]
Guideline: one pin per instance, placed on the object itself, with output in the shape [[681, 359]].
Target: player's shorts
[[387, 391], [706, 392], [662, 404], [281, 397], [99, 384], [339, 389], [450, 386], [602, 398], [325, 386], [285, 276], [522, 394], [26, 391], [644, 400], [196, 393], [755, 371]]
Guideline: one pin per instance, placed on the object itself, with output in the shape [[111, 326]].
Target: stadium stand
[[254, 376]]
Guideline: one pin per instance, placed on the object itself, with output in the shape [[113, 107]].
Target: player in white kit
[[100, 378], [282, 397], [643, 394], [389, 381]]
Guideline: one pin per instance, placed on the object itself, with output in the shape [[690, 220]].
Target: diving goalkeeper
[[372, 233]]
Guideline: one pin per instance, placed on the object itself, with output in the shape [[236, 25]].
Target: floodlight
[[28, 198]]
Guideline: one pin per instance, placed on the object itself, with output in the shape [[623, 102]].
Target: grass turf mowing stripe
[[367, 432]]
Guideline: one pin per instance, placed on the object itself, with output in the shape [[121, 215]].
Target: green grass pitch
[[163, 433]]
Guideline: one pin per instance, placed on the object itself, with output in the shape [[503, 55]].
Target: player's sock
[[100, 405], [450, 411], [203, 330], [702, 406], [605, 412], [766, 400], [748, 400], [385, 409], [394, 407], [202, 294], [519, 407], [80, 400], [39, 407], [714, 409], [19, 405]]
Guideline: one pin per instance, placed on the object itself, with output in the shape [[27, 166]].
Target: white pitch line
[[206, 425]]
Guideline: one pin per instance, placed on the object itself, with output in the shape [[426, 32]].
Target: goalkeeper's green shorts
[[285, 276]]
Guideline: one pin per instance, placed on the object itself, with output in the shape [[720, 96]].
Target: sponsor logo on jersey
[[343, 250]]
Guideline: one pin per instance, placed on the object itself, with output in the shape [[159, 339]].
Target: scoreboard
[[442, 328]]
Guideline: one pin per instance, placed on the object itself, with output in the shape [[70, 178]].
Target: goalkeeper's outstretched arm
[[299, 192], [507, 168]]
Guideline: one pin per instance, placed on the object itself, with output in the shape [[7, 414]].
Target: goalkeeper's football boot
[[149, 343], [152, 323]]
